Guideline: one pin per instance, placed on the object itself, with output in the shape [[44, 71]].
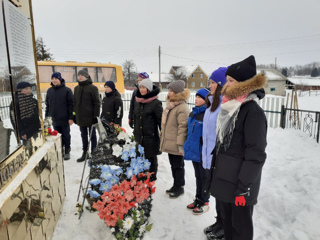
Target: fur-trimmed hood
[[184, 95], [254, 84]]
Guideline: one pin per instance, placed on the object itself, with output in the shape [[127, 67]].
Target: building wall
[[275, 87], [31, 204], [195, 81]]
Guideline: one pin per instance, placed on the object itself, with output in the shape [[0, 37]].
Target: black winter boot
[[67, 153], [83, 157], [178, 191]]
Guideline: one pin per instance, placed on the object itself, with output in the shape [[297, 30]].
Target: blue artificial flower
[[93, 194], [133, 162], [95, 181], [146, 164], [105, 168], [114, 180], [140, 149], [137, 168], [125, 156], [129, 173], [105, 187], [107, 175], [117, 171], [132, 152], [140, 159]]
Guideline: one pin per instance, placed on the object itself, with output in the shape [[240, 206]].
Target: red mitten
[[240, 201]]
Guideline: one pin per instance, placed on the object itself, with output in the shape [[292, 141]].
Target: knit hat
[[177, 86], [203, 92], [22, 85], [244, 70], [111, 85], [147, 83], [219, 76], [143, 75], [57, 75], [84, 72]]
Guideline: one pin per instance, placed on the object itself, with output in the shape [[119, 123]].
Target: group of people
[[82, 108], [224, 136]]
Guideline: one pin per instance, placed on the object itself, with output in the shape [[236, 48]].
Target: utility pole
[[160, 68]]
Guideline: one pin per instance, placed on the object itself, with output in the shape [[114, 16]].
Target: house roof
[[307, 81], [188, 69], [272, 74], [165, 77]]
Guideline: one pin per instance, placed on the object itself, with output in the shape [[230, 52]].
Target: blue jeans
[[65, 132], [85, 133]]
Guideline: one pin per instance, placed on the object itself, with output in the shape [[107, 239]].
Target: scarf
[[169, 107], [227, 117], [146, 100]]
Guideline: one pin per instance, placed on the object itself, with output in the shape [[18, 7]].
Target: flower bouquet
[[120, 186]]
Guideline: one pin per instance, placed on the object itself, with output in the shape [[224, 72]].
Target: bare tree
[[42, 52], [130, 75]]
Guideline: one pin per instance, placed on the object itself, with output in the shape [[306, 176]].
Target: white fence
[[270, 104]]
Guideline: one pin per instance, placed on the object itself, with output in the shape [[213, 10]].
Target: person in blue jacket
[[213, 102], [192, 151]]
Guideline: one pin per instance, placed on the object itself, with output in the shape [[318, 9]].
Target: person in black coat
[[147, 122], [112, 106], [86, 110], [239, 154], [59, 106], [141, 76], [26, 114]]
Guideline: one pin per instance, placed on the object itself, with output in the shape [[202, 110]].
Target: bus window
[[106, 74], [45, 73], [67, 73]]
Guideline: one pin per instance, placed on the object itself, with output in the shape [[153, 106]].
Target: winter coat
[[147, 122], [193, 144], [112, 107], [174, 131], [132, 103], [209, 134], [27, 115], [237, 170], [86, 103], [59, 104]]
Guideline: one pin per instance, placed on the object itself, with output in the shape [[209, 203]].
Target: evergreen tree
[[42, 52], [315, 72], [284, 72]]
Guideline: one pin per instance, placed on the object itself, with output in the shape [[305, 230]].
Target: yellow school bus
[[99, 73]]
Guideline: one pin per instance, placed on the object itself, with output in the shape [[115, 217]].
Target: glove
[[181, 150], [240, 201], [130, 123]]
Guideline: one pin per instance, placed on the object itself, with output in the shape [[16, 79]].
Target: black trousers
[[153, 167], [85, 134], [237, 221], [177, 169], [201, 176], [65, 132]]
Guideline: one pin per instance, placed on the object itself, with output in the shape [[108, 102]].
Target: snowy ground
[[288, 206]]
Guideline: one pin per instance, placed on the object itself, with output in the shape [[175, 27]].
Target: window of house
[[201, 75], [193, 84], [201, 84], [273, 89], [193, 75]]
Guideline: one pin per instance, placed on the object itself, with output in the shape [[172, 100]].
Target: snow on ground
[[288, 206]]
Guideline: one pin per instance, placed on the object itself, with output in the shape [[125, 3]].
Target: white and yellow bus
[[99, 73]]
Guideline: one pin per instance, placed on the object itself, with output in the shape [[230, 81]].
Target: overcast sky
[[209, 33]]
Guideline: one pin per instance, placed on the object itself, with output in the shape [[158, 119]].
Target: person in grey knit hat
[[84, 72], [147, 83], [177, 86]]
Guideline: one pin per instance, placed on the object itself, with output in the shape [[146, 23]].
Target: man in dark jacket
[[59, 106], [112, 106], [86, 109], [141, 76], [239, 154]]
